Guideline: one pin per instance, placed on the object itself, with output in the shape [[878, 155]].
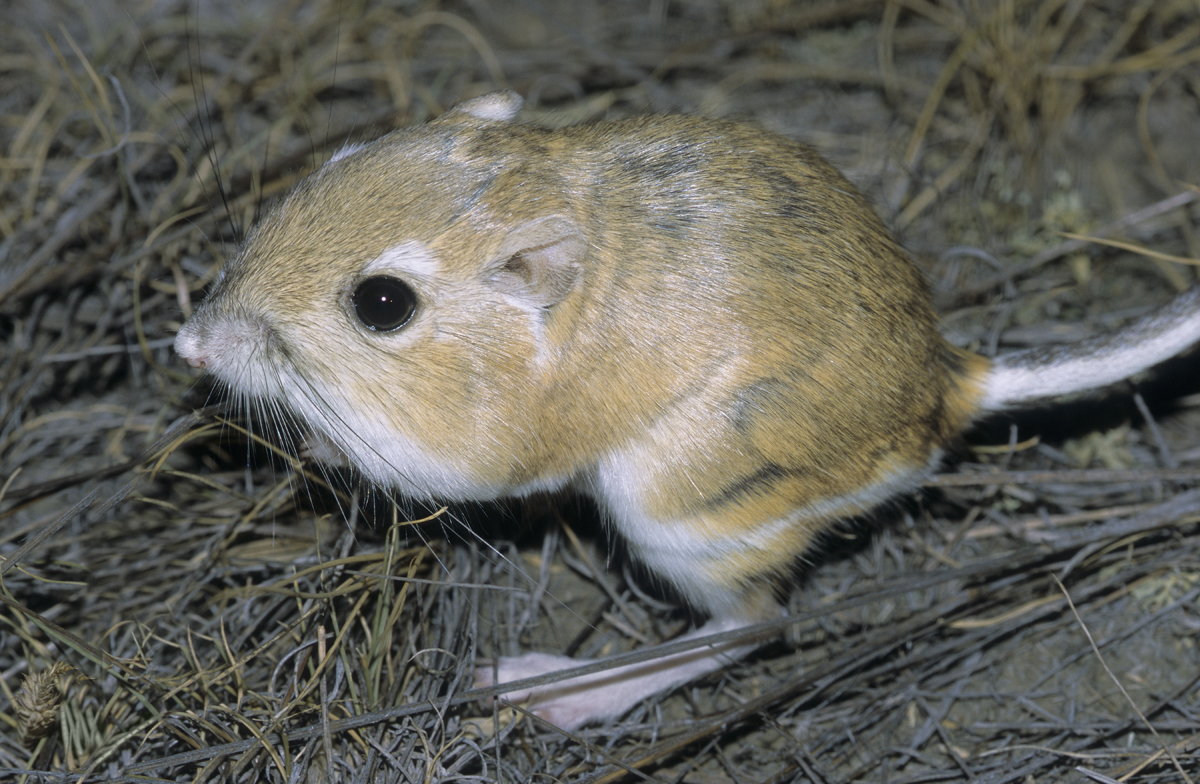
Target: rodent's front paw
[[318, 448]]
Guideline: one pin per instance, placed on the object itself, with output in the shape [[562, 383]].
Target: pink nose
[[187, 345]]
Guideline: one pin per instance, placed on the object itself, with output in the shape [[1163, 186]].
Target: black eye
[[384, 303]]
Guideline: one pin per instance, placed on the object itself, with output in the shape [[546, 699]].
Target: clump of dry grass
[[229, 615]]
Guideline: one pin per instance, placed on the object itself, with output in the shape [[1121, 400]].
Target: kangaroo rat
[[702, 325]]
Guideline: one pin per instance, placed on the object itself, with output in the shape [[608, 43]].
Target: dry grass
[[179, 605]]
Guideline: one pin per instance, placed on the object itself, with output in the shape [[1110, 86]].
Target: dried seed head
[[38, 700]]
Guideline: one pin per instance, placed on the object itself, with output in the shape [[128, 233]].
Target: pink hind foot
[[606, 695]]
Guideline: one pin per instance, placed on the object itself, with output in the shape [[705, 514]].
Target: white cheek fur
[[385, 456], [235, 350]]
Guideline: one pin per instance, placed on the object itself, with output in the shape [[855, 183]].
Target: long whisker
[[334, 422]]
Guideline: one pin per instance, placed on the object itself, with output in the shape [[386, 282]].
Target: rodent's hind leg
[[608, 694]]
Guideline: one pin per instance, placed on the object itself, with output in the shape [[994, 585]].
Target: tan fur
[[701, 324]]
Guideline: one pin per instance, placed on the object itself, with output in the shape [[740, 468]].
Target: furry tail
[[1025, 376]]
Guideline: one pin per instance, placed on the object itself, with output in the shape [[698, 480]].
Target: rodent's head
[[395, 302]]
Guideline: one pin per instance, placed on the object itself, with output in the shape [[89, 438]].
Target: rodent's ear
[[500, 106], [539, 261]]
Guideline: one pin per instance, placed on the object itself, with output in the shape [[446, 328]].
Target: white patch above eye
[[412, 257], [346, 151]]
